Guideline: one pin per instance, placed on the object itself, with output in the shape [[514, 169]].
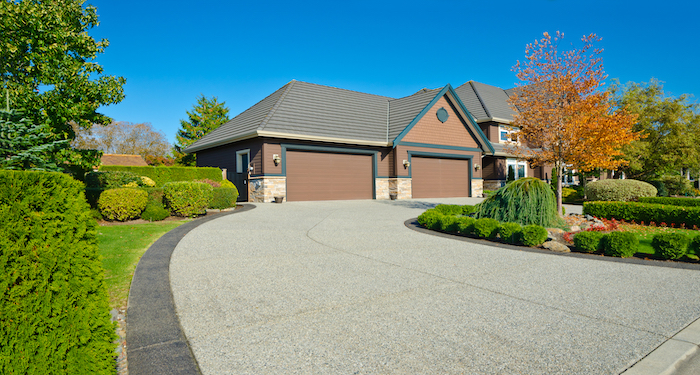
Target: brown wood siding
[[313, 176], [430, 130], [268, 164], [401, 154], [225, 156], [439, 177], [494, 168]]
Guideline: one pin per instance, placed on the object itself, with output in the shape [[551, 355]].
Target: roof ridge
[[276, 105], [421, 91], [481, 101], [342, 89]]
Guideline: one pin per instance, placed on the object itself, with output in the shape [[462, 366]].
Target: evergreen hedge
[[644, 212], [187, 198], [54, 308], [683, 202], [162, 175]]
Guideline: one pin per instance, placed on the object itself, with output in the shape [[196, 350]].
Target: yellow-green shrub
[[122, 204], [187, 198]]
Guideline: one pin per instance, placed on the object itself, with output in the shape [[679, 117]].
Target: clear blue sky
[[240, 52]]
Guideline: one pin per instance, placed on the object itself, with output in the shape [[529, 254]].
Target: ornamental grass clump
[[670, 245], [524, 201]]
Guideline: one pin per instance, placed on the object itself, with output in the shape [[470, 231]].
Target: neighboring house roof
[[123, 160], [486, 102], [301, 110]]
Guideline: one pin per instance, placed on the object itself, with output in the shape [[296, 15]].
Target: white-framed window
[[506, 134], [240, 164], [519, 167]]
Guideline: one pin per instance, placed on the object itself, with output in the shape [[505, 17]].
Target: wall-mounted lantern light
[[406, 163], [276, 158], [477, 167]]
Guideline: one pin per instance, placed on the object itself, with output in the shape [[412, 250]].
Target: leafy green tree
[[48, 69], [511, 174], [205, 116], [671, 128], [26, 146]]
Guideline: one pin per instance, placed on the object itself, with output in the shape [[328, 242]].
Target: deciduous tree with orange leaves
[[564, 119]]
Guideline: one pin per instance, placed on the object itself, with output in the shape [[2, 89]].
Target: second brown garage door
[[439, 177], [314, 176]]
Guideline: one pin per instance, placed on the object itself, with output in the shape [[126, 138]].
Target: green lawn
[[121, 247], [646, 233]]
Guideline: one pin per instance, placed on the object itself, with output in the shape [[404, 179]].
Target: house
[[312, 142], [123, 160]]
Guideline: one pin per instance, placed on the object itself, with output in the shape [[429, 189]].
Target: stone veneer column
[[265, 189], [382, 188], [404, 188], [477, 187]]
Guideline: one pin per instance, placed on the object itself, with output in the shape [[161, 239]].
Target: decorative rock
[[575, 228], [556, 247]]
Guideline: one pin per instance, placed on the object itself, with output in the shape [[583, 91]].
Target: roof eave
[[494, 119]]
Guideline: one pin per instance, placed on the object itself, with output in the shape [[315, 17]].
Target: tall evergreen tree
[[26, 146], [205, 116]]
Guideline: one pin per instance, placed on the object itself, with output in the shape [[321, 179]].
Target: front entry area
[[314, 176], [434, 177]]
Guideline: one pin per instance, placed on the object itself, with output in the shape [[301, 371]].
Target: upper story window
[[506, 134]]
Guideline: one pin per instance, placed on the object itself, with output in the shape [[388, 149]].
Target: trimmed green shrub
[[683, 202], [644, 212], [533, 235], [449, 209], [694, 245], [122, 204], [678, 185], [209, 182], [223, 198], [510, 232], [147, 182], [569, 195], [449, 224], [155, 212], [227, 184], [93, 195], [428, 218], [155, 195], [162, 175], [524, 201], [54, 307], [112, 179], [187, 198], [620, 244], [468, 209], [619, 190], [661, 190], [670, 245], [588, 241], [466, 225], [486, 227]]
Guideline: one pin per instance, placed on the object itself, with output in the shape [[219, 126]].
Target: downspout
[[387, 122]]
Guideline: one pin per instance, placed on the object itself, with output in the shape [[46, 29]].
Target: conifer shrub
[[112, 179], [162, 174], [486, 227], [187, 198], [466, 225], [588, 241], [619, 190], [620, 244], [694, 245], [155, 212], [122, 204], [670, 245], [428, 218], [54, 308], [449, 209], [524, 201], [510, 232], [223, 197], [227, 184], [468, 209], [533, 235], [449, 224]]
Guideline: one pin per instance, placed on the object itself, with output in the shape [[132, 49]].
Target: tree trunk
[[560, 175]]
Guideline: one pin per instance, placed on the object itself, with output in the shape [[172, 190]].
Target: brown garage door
[[314, 176], [439, 177]]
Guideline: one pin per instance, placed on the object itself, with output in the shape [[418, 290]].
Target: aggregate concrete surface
[[345, 287]]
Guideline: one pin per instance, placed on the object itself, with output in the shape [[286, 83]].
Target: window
[[506, 134], [242, 160], [519, 167]]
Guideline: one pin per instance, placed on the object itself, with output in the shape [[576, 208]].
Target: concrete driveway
[[346, 288]]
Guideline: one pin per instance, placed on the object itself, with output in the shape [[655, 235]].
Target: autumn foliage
[[562, 115]]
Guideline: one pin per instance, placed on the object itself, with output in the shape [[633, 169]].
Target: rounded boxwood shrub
[[486, 227], [588, 241], [227, 184], [155, 212], [466, 225], [620, 244], [524, 201], [510, 232], [122, 204], [54, 307], [187, 198], [428, 218], [449, 209], [449, 224], [468, 209], [670, 245], [533, 235], [694, 245], [619, 190], [223, 197]]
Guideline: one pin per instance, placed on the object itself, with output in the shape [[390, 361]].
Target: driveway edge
[[155, 341]]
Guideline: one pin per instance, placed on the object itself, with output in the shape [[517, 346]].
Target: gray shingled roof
[[485, 102], [307, 109]]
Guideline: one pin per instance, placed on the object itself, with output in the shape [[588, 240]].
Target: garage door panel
[[439, 177], [328, 176]]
